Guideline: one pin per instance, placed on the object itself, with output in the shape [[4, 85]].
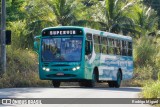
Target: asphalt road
[[72, 92]]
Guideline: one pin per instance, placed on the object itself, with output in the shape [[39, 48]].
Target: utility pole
[[2, 38]]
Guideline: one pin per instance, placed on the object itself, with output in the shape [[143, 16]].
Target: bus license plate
[[59, 74]]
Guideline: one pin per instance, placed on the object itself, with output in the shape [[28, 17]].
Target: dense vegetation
[[138, 19]]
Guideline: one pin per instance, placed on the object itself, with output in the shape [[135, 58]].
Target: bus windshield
[[61, 49]]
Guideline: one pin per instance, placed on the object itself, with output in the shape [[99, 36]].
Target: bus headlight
[[44, 68], [78, 67], [47, 69], [74, 69]]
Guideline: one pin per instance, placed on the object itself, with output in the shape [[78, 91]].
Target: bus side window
[[115, 47], [129, 48], [97, 46], [123, 48], [121, 41], [100, 46], [89, 36], [104, 45], [126, 48], [118, 47], [110, 46], [88, 47], [107, 45]]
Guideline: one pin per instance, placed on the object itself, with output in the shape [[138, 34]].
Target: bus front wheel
[[81, 84], [56, 84]]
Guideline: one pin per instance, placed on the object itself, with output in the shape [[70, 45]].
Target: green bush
[[22, 70], [159, 76], [144, 51], [21, 35], [152, 90]]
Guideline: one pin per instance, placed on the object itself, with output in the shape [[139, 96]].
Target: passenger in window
[[78, 49]]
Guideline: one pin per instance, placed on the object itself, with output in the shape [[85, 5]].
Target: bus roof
[[97, 32], [63, 27], [107, 34]]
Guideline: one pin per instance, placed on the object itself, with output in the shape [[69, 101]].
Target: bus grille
[[69, 69], [65, 75], [60, 65]]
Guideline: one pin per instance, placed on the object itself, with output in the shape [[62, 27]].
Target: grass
[[147, 67], [19, 79], [151, 90], [22, 70]]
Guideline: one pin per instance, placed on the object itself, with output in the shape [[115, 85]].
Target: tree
[[155, 4], [145, 19], [87, 14], [114, 17], [63, 11], [38, 15], [13, 8]]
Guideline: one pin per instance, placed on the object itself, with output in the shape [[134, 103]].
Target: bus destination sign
[[61, 32]]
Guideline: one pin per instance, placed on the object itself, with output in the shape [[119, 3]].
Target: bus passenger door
[[88, 50], [88, 56]]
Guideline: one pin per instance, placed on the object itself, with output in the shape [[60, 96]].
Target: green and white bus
[[84, 55]]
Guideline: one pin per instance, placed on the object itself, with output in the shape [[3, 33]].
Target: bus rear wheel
[[116, 83], [119, 79], [56, 84], [111, 84]]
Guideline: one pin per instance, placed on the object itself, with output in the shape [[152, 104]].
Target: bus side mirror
[[36, 43], [8, 37], [36, 47]]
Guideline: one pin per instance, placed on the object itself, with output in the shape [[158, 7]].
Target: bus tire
[[56, 84], [119, 79], [111, 84], [116, 83], [81, 84]]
